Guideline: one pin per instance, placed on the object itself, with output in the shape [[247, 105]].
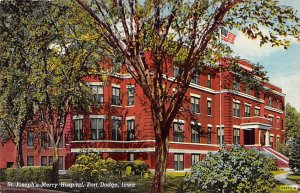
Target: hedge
[[36, 174]]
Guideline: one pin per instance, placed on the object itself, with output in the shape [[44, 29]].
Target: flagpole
[[220, 87]]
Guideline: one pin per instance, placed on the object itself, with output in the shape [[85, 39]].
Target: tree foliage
[[292, 126], [234, 170], [47, 51], [181, 34]]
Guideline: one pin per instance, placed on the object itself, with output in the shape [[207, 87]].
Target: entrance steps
[[280, 160]]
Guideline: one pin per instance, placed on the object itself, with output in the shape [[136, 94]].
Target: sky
[[283, 66]]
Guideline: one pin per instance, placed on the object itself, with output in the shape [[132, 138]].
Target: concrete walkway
[[283, 179]]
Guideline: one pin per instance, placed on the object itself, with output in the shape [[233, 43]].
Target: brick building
[[120, 124]]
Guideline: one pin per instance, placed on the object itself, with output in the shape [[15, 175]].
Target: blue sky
[[283, 66]]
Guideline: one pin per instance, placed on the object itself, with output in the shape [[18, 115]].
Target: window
[[98, 95], [30, 138], [43, 139], [178, 162], [60, 143], [195, 79], [236, 86], [236, 109], [116, 96], [256, 94], [208, 83], [195, 158], [175, 71], [78, 129], [270, 102], [247, 90], [97, 128], [130, 130], [195, 133], [220, 135], [60, 162], [278, 123], [130, 96], [271, 120], [117, 66], [208, 107], [116, 127], [43, 160], [50, 160], [195, 105], [9, 164], [178, 132], [277, 139], [271, 141], [256, 112], [208, 135], [131, 157], [50, 143], [30, 161], [236, 136], [247, 111]]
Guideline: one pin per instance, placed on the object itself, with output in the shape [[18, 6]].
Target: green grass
[[280, 188], [174, 184], [278, 172], [295, 178]]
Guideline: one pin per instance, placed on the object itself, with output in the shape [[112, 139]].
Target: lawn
[[295, 178], [280, 188], [174, 184]]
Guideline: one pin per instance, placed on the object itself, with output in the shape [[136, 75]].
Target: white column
[[259, 134], [267, 139]]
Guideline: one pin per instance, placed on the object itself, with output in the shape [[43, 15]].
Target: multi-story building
[[120, 123]]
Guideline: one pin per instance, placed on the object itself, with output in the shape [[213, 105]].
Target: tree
[[292, 126], [16, 98], [57, 54], [184, 35], [234, 170]]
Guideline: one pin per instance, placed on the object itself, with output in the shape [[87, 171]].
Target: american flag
[[227, 36]]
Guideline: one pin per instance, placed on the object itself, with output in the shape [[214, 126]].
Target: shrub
[[2, 175], [29, 174], [139, 166], [89, 167], [234, 170]]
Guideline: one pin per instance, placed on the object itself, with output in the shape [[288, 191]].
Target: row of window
[[247, 108], [44, 140], [98, 95], [195, 105], [97, 129], [46, 162], [178, 134], [178, 160], [195, 78]]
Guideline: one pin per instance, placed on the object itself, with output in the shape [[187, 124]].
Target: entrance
[[249, 137]]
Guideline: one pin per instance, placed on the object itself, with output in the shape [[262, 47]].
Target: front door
[[249, 137]]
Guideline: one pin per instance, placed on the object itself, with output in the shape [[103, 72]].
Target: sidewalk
[[283, 179], [5, 189]]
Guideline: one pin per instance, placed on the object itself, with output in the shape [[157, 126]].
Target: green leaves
[[234, 170]]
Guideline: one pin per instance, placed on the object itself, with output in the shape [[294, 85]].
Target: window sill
[[116, 106], [130, 106], [236, 117], [209, 115]]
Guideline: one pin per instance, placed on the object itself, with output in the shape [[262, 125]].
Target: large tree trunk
[[19, 149], [161, 153], [54, 174]]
